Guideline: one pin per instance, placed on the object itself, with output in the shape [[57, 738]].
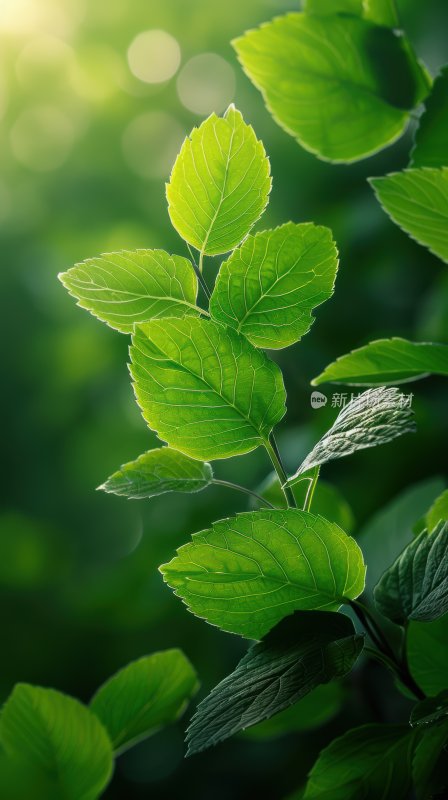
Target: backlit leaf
[[431, 138], [438, 511], [269, 286], [329, 7], [219, 185], [304, 650], [382, 12], [427, 650], [246, 573], [204, 389]]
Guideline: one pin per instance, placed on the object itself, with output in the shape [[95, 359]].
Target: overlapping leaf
[[326, 81], [429, 763], [133, 286], [54, 732], [301, 652], [205, 389], [416, 585], [269, 286], [312, 711], [438, 511], [427, 652], [375, 417], [387, 361], [417, 201], [431, 711], [431, 138], [145, 695], [159, 471], [219, 185], [246, 573]]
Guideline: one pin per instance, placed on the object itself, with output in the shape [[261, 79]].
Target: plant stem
[[274, 454], [311, 489], [198, 271], [239, 488]]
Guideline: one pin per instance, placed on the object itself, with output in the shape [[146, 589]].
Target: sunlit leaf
[[427, 650], [54, 732], [367, 762], [375, 417], [301, 652], [387, 361], [416, 585], [417, 201], [205, 389], [159, 471], [382, 12], [326, 81], [269, 286], [438, 511], [145, 695], [219, 185], [431, 138], [246, 573], [133, 286]]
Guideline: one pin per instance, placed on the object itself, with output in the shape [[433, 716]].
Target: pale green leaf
[[159, 471], [246, 573], [416, 585], [382, 12], [387, 361], [431, 138], [429, 766], [427, 650], [312, 711], [438, 511], [326, 81], [133, 286], [373, 761], [56, 733], [417, 201], [431, 711], [269, 286], [204, 389], [375, 417], [219, 185], [301, 652], [144, 696]]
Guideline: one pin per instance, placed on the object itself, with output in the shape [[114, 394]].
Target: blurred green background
[[95, 99]]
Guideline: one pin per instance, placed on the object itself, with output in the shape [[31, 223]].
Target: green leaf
[[438, 511], [427, 650], [312, 711], [159, 471], [205, 389], [432, 711], [301, 652], [246, 573], [429, 766], [220, 184], [373, 761], [416, 585], [144, 696], [375, 417], [269, 286], [133, 286], [326, 8], [58, 734], [417, 201], [431, 138], [382, 12], [340, 108], [387, 361]]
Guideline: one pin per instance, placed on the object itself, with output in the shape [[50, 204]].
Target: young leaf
[[373, 761], [159, 471], [427, 651], [416, 585], [417, 201], [312, 711], [205, 389], [269, 286], [145, 695], [431, 138], [246, 573], [56, 733], [375, 417], [340, 108], [429, 765], [432, 711], [438, 511], [133, 286], [302, 651], [385, 362], [219, 185]]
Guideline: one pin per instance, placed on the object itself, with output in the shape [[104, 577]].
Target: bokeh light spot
[[42, 137], [43, 61], [154, 56], [206, 83], [151, 142]]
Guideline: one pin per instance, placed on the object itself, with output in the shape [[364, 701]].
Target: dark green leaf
[[312, 711], [430, 764], [438, 511], [246, 573], [427, 650], [203, 388], [158, 471], [303, 651], [431, 138], [145, 695], [432, 711]]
